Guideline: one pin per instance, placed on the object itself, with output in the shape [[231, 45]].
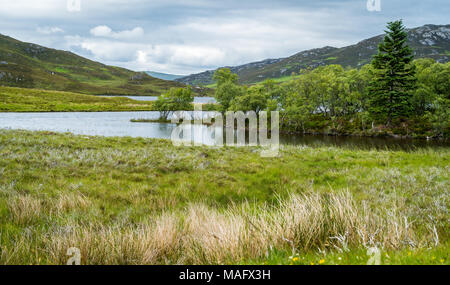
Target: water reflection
[[118, 124]]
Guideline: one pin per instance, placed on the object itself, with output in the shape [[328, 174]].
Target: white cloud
[[101, 31], [49, 30], [106, 50], [32, 9], [181, 55], [105, 31]]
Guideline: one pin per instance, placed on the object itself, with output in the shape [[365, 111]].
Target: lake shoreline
[[325, 134], [381, 135]]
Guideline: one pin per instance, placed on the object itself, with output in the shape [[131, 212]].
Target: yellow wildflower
[[322, 261], [295, 259]]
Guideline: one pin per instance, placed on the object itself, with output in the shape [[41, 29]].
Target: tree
[[227, 88], [362, 86], [393, 79], [225, 75], [426, 92], [440, 117], [254, 99], [272, 89], [176, 99], [297, 111], [299, 100]]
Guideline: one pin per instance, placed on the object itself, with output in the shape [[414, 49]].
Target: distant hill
[[432, 41], [32, 66], [164, 76]]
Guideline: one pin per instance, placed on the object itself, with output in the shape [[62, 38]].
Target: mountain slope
[[431, 41], [164, 76], [32, 66], [205, 78]]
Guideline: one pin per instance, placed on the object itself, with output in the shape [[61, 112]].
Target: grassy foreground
[[35, 100], [144, 201]]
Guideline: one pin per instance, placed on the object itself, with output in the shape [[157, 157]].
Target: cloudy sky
[[189, 36]]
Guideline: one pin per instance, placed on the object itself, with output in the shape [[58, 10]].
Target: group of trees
[[394, 89]]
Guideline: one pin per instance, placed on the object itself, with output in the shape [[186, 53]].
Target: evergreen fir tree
[[393, 77]]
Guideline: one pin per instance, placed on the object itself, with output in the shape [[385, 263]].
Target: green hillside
[[32, 66], [429, 41], [164, 76]]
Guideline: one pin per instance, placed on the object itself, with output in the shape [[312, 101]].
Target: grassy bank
[[35, 100], [163, 121], [14, 99], [129, 201], [151, 121]]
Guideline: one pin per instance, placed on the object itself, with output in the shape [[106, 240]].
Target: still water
[[203, 100], [118, 124]]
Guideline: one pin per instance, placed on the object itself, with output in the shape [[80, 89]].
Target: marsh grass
[[201, 235], [143, 201]]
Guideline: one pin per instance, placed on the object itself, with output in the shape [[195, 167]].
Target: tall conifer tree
[[394, 76]]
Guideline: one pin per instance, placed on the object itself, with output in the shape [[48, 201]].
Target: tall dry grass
[[201, 235], [24, 208], [149, 243]]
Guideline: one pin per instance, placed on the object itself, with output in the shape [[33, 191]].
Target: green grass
[[133, 201], [435, 256], [277, 80], [150, 121], [212, 86], [34, 100]]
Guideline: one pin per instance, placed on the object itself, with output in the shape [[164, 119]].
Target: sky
[[190, 36]]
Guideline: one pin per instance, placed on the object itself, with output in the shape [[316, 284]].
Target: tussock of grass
[[24, 208], [71, 201]]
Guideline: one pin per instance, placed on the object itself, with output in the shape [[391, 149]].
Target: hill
[[164, 76], [432, 41], [29, 65]]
